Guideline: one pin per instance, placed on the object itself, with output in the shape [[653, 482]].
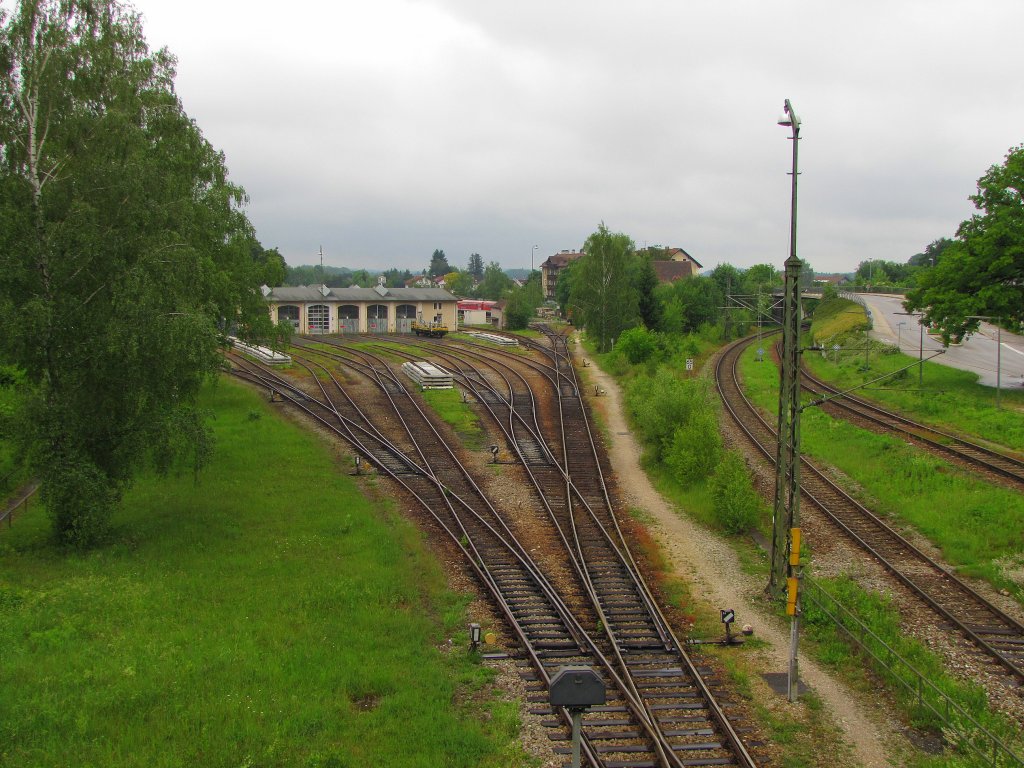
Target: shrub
[[695, 447], [662, 403], [735, 500], [81, 500], [637, 344]]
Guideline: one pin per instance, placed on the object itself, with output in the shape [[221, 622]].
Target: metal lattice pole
[[786, 509]]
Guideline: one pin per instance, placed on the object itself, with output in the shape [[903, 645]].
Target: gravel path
[[707, 562]]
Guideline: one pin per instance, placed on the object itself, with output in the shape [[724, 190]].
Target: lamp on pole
[[999, 349], [532, 251], [920, 349]]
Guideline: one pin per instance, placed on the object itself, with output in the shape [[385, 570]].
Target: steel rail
[[718, 714], [620, 548], [476, 560]]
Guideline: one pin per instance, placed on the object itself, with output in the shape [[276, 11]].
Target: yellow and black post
[[793, 610]]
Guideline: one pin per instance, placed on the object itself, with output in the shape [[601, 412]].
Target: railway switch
[[728, 617]]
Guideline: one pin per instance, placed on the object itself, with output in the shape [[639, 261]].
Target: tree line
[[613, 288]]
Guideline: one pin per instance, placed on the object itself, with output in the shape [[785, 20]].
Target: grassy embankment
[[978, 526], [268, 615], [673, 413], [950, 397]]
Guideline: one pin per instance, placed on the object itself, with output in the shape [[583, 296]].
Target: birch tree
[[124, 254], [601, 292]]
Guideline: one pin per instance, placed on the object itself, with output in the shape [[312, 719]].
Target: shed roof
[[306, 293]]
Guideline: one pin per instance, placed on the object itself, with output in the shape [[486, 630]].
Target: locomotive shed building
[[317, 309]]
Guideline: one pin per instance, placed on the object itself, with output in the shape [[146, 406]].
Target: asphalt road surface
[[977, 353]]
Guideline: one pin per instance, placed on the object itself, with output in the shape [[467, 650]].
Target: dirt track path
[[708, 563]]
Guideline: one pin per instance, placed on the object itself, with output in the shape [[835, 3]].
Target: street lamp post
[[920, 348], [999, 349]]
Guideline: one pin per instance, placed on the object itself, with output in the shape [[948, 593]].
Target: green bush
[[695, 447], [81, 500], [735, 500], [637, 344], [662, 403]]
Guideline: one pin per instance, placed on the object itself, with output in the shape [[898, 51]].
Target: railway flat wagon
[[434, 330]]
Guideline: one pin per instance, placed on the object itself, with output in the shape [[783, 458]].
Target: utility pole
[[786, 509], [728, 315]]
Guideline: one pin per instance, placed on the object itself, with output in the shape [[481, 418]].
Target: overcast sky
[[383, 129]]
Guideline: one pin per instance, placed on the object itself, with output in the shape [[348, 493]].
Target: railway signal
[[577, 688]]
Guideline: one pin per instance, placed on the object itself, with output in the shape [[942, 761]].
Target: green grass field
[[266, 615]]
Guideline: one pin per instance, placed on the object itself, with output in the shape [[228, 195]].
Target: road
[[977, 353]]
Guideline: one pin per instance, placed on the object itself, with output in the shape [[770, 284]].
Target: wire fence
[[959, 727], [19, 504]]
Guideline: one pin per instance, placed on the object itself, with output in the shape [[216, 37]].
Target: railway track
[[994, 463], [997, 635], [571, 487], [660, 711]]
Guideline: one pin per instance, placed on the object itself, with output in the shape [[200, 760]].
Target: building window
[[288, 313]]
